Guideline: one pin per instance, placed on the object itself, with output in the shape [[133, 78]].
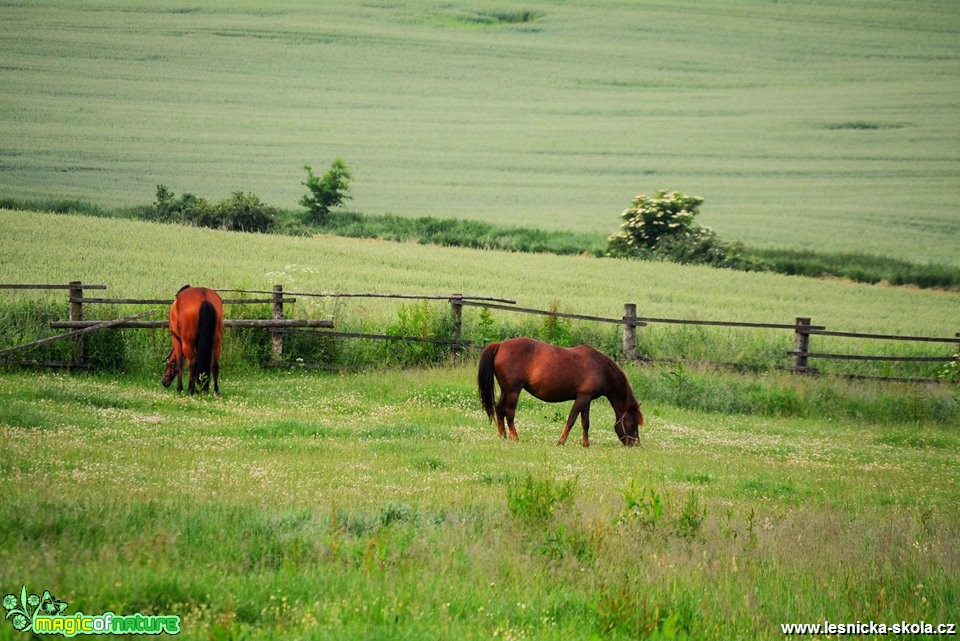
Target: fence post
[[956, 374], [801, 345], [276, 338], [629, 332], [76, 314], [456, 311]]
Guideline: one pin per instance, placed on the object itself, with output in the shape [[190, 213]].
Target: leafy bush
[[244, 212], [662, 228], [169, 209], [239, 212], [649, 220]]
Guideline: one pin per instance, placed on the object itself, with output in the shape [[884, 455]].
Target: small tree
[[326, 191]]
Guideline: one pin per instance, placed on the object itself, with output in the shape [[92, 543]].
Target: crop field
[[380, 504], [817, 125]]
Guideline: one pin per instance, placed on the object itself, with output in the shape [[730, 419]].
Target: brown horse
[[556, 374], [196, 324]]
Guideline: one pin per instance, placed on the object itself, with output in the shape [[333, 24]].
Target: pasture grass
[[382, 505], [813, 126]]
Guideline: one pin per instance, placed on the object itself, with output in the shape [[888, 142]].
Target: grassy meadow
[[820, 125], [380, 504]]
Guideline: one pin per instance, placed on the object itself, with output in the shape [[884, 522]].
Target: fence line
[[543, 312], [278, 325], [465, 297]]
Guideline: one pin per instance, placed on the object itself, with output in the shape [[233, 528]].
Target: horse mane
[[187, 286], [619, 376]]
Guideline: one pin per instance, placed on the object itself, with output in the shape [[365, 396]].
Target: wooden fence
[[802, 328]]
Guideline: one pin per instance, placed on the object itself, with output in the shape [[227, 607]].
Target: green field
[[827, 126]]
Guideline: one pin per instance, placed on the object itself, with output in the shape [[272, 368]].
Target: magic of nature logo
[[44, 614]]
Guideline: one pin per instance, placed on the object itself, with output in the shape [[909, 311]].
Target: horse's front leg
[[585, 423], [581, 407]]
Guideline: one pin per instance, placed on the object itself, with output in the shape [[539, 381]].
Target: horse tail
[[485, 375], [206, 328]]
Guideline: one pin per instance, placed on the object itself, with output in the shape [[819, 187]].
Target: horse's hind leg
[[216, 377], [194, 375], [180, 363], [507, 410]]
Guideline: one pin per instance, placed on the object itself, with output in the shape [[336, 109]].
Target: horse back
[[549, 372]]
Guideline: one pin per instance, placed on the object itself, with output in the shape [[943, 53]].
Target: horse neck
[[619, 392]]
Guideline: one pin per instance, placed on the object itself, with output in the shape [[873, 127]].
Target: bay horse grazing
[[196, 325], [556, 374]]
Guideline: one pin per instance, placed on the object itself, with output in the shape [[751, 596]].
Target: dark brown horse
[[196, 324], [556, 374]]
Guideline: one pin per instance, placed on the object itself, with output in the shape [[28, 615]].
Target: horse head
[[629, 424], [173, 367]]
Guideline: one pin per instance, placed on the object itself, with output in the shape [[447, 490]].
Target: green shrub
[[239, 212], [167, 208], [662, 228], [649, 220], [244, 212]]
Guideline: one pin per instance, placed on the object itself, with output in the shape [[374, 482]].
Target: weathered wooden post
[[956, 378], [456, 311], [276, 338], [629, 331], [801, 345], [76, 314]]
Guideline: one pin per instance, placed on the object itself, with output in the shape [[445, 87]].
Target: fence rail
[[802, 328]]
